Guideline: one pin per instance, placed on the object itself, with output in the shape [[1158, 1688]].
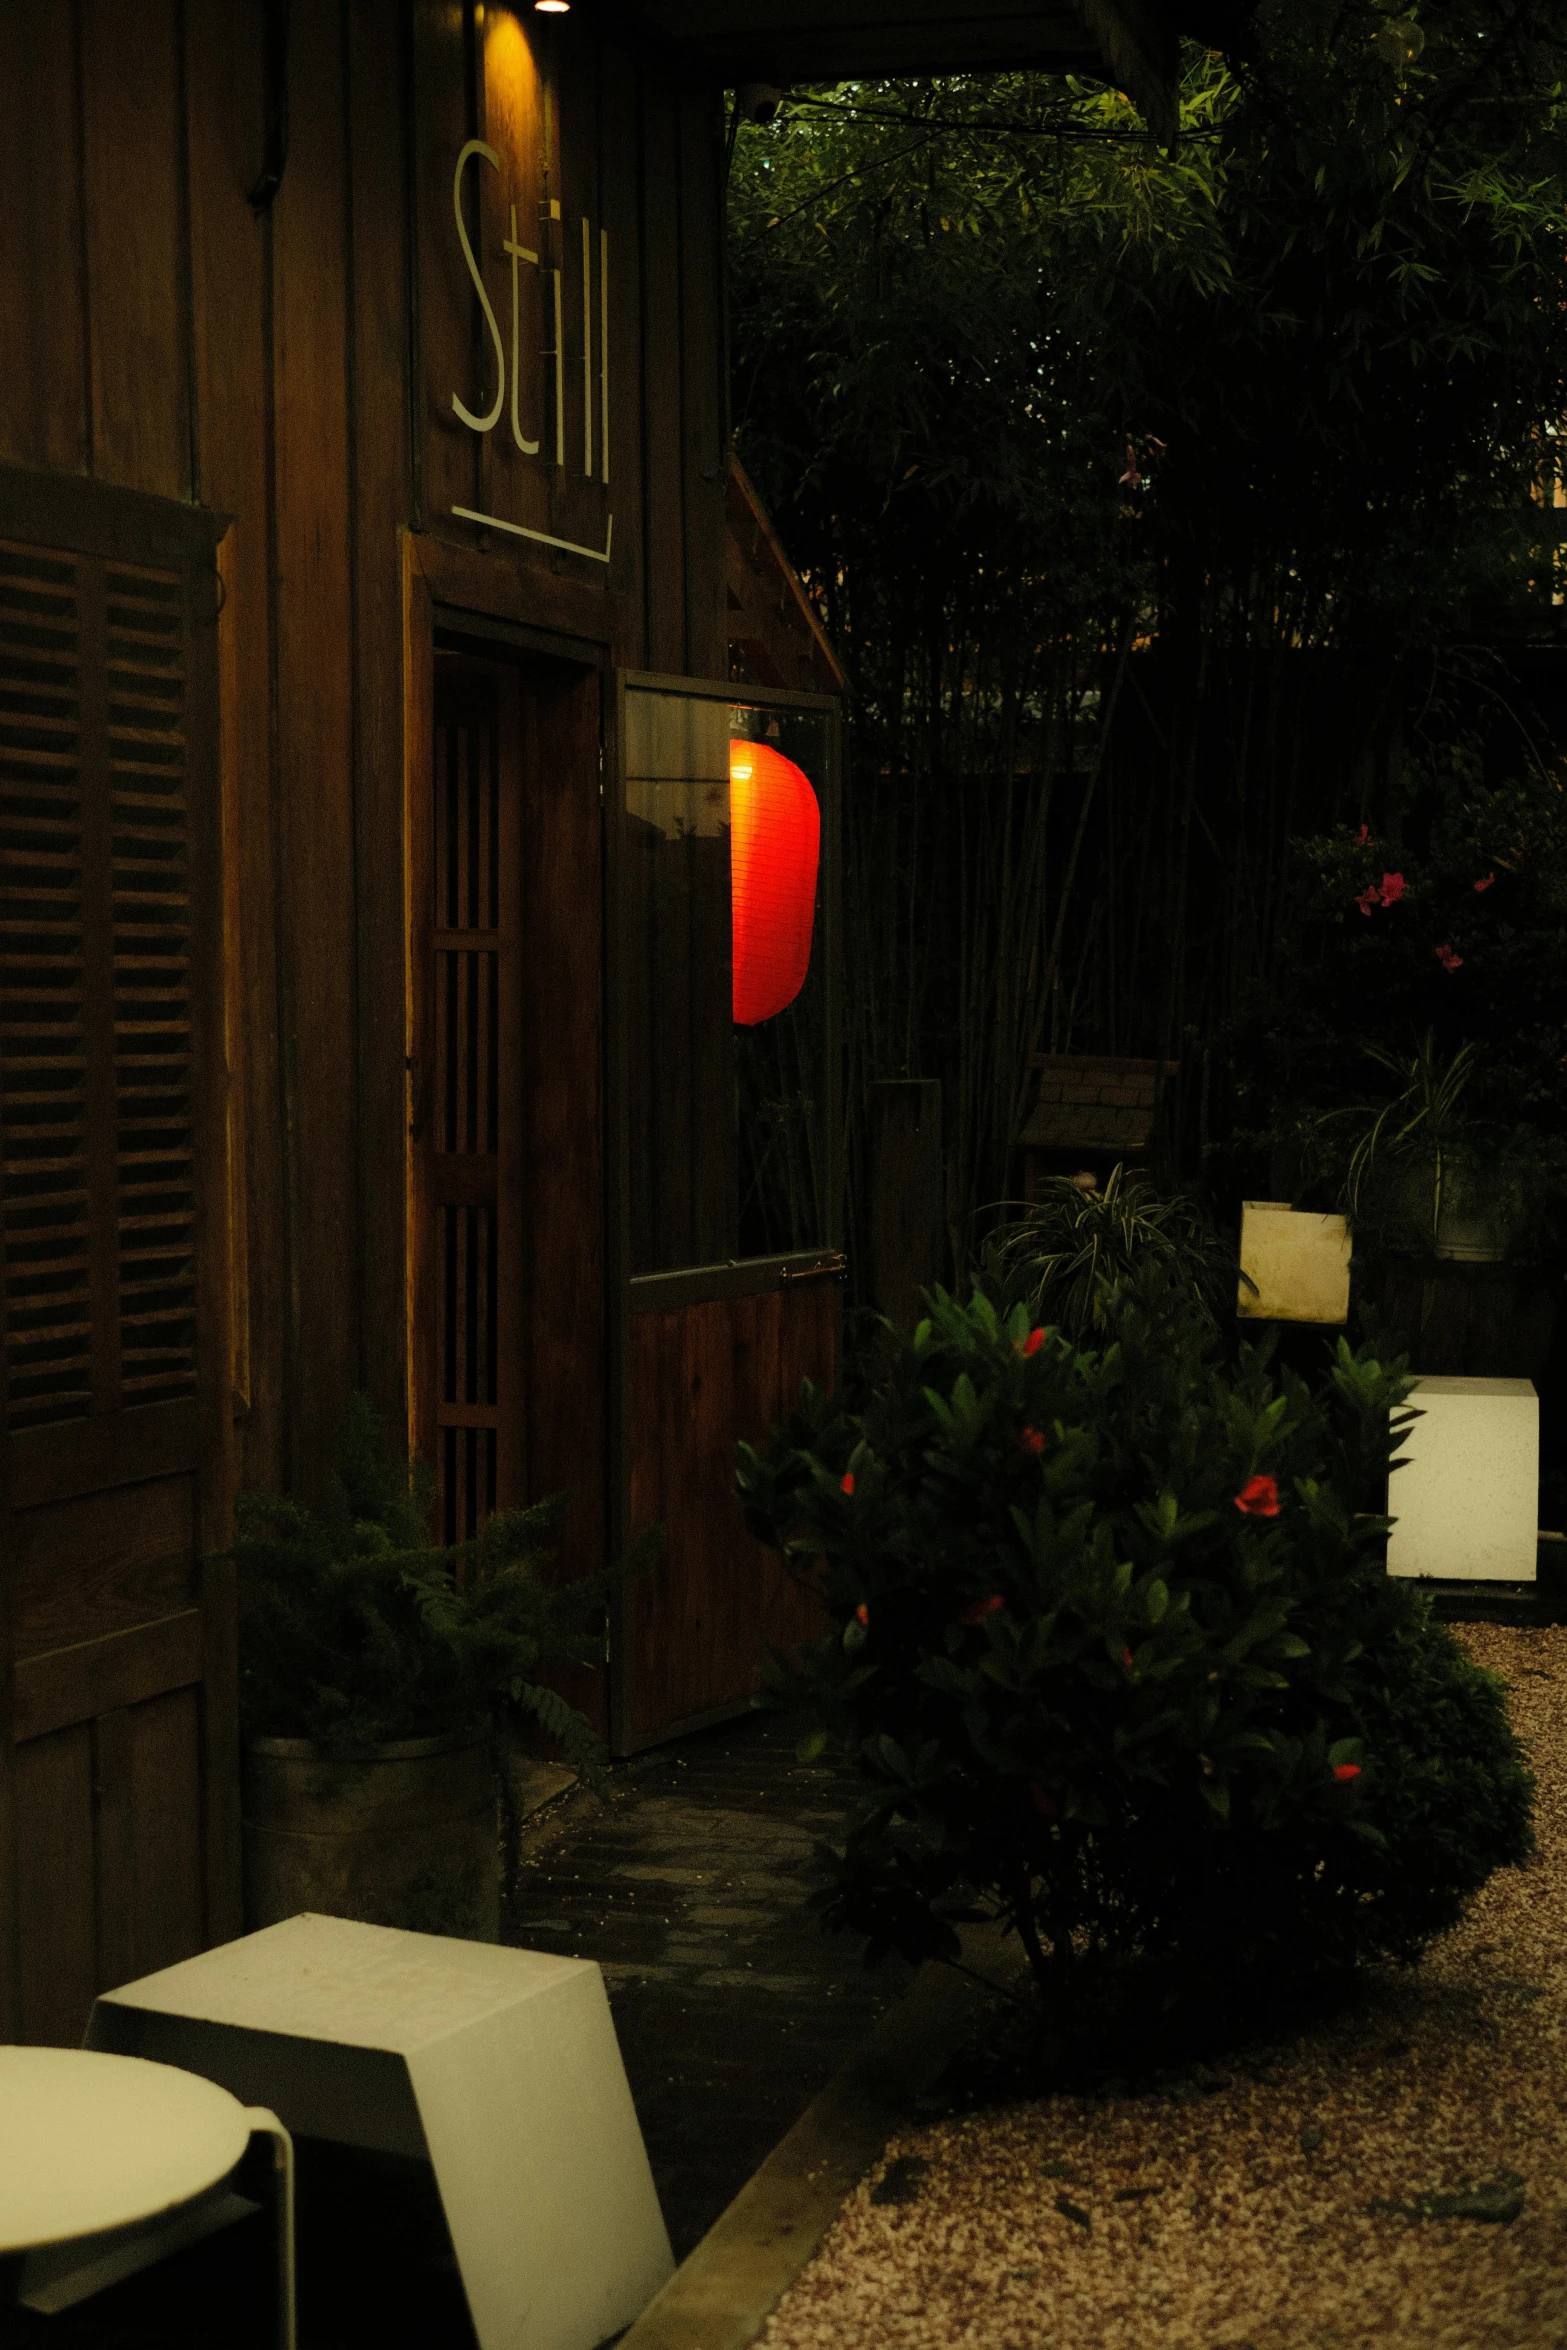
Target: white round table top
[[90, 2141]]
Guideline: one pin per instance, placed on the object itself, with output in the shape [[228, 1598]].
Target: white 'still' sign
[[521, 256]]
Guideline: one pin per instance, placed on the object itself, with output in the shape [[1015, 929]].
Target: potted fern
[[377, 1672]]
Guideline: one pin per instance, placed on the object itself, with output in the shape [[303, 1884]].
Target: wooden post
[[906, 1194]]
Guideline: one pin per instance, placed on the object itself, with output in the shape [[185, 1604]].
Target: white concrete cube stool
[[501, 2067], [1294, 1265], [1468, 1501]]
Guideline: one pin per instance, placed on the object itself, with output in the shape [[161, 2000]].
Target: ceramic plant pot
[[403, 1835]]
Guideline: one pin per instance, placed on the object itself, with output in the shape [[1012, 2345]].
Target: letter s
[[479, 423]]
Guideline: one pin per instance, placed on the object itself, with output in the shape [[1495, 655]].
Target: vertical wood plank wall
[[294, 370]]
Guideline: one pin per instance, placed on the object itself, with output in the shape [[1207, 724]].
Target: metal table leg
[[266, 2124]]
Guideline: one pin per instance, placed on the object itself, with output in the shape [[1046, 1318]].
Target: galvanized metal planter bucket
[[404, 1835]]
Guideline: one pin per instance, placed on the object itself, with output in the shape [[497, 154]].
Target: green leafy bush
[[1116, 1651], [355, 1631], [1442, 946]]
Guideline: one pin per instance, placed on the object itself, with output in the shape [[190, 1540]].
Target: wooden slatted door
[[117, 1752], [469, 1113], [507, 1210]]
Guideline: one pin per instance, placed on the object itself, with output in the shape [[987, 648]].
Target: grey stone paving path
[[690, 1886]]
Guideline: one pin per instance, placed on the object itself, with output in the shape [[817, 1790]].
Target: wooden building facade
[[363, 471], [367, 739]]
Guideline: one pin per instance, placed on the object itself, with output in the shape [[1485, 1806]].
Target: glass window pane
[[724, 977]]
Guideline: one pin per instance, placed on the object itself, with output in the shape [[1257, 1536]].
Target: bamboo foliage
[[1150, 500]]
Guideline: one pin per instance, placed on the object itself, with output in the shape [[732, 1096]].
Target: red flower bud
[[1448, 960], [982, 1608], [1259, 1497], [1032, 1441], [1486, 883], [846, 1481], [1032, 1343], [862, 1614], [1345, 1772], [1126, 1660]]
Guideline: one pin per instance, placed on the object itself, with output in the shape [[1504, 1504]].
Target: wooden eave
[[1133, 43], [775, 636]]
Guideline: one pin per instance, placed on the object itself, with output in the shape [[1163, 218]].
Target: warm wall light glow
[[774, 845], [552, 7]]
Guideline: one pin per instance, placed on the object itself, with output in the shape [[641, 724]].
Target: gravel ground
[[1395, 2175]]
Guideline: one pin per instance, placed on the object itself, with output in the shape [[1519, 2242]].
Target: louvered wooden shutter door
[[469, 1118], [113, 1343]]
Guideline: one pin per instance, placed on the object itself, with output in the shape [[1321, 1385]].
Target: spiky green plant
[[1425, 1117], [1064, 1256]]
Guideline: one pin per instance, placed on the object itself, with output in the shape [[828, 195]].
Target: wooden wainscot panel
[[163, 1762], [57, 1976], [69, 1685], [49, 1464], [698, 1630], [103, 1563]]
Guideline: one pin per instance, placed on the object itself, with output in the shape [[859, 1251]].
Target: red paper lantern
[[775, 831]]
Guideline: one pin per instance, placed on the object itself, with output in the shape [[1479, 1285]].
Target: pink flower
[[1259, 1497], [1448, 960], [1032, 1343], [1368, 898], [1344, 1773], [1032, 1441], [846, 1481], [1486, 883], [1392, 888], [982, 1608], [1132, 475], [1364, 833]]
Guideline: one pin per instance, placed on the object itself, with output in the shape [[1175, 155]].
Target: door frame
[[489, 607], [690, 1285]]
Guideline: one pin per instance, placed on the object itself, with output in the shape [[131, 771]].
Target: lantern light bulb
[[552, 7], [740, 770]]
